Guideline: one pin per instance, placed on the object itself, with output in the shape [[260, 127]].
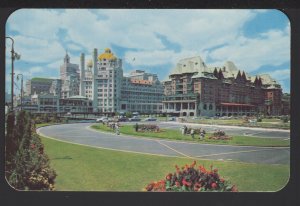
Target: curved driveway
[[80, 133]]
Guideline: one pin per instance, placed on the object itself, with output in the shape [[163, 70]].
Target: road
[[81, 133]]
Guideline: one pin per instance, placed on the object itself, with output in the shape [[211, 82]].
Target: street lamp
[[14, 56], [21, 88]]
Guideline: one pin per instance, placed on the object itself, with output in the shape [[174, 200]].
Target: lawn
[[83, 168], [265, 123], [176, 135]]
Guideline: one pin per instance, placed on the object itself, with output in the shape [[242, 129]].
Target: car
[[102, 119], [150, 119], [172, 119], [135, 119], [122, 119]]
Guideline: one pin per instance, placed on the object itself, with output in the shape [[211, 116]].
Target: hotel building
[[103, 82], [194, 89]]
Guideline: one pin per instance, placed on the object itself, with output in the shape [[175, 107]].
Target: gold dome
[[107, 55], [89, 63]]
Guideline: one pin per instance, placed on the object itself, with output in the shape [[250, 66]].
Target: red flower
[[184, 182], [222, 180], [214, 185], [234, 189], [32, 146], [215, 170], [169, 176], [177, 184]]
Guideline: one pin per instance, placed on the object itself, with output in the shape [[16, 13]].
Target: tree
[[128, 114]]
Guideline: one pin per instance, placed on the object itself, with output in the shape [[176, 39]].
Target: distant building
[[38, 85], [51, 103], [194, 89], [55, 88], [104, 84], [69, 76], [141, 93], [286, 104]]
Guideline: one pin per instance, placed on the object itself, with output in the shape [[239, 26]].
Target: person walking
[[182, 130], [136, 127], [185, 129], [192, 133], [117, 129]]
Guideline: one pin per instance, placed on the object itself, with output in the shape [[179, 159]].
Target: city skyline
[[155, 39]]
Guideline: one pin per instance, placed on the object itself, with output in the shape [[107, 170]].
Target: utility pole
[[14, 56], [21, 89]]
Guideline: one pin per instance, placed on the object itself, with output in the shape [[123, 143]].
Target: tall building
[[69, 75], [38, 85], [55, 88], [194, 89], [103, 82], [141, 92]]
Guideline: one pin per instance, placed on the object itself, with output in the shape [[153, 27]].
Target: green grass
[[266, 123], [82, 168], [176, 135]]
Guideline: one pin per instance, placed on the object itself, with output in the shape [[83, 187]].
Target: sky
[[154, 40]]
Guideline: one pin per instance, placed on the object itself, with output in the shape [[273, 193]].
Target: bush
[[192, 180], [285, 119], [27, 166]]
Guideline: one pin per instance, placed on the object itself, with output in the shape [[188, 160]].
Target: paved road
[[80, 133], [230, 130]]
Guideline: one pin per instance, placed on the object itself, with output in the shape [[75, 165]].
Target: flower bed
[[220, 135], [148, 128], [192, 180]]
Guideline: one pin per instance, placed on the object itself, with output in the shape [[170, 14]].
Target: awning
[[236, 104]]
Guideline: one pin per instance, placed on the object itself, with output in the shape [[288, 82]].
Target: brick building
[[194, 89]]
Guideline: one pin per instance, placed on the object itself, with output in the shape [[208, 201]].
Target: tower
[[82, 75], [94, 84]]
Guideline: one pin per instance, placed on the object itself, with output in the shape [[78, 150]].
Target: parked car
[[102, 119], [122, 119], [150, 119], [172, 119], [135, 119]]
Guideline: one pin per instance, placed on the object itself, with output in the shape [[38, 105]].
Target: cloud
[[41, 33], [280, 75], [37, 50], [271, 48]]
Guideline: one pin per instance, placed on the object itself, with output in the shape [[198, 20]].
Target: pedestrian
[[185, 129], [201, 135], [182, 130], [192, 133], [136, 127], [117, 129]]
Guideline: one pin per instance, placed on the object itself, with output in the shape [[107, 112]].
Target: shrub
[[192, 180], [27, 166]]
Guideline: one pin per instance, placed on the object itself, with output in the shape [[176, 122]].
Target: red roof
[[236, 104]]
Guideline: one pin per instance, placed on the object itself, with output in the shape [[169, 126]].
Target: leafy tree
[[128, 114]]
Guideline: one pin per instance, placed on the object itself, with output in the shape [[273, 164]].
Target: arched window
[[204, 107], [210, 107]]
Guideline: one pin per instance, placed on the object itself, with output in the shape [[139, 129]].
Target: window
[[210, 107], [204, 107]]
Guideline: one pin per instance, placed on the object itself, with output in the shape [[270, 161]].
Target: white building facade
[[102, 81]]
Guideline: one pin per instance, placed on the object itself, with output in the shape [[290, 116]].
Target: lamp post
[[14, 56], [21, 89]]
